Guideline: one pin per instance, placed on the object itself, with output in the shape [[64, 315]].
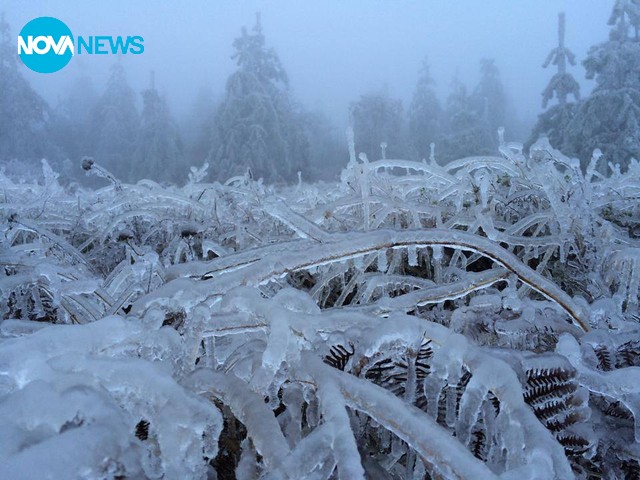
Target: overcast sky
[[333, 50]]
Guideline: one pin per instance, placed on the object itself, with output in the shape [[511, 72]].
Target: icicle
[[513, 440], [246, 468], [382, 261], [434, 387], [415, 219], [397, 260], [38, 309], [209, 350], [451, 414], [470, 409], [358, 263], [489, 419], [437, 264], [293, 400], [501, 136], [363, 180], [484, 190], [634, 285], [412, 256], [352, 146]]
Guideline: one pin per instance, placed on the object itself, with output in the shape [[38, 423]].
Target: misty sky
[[333, 50]]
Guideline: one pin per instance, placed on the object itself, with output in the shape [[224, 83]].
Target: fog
[[333, 51]]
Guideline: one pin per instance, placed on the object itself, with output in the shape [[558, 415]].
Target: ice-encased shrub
[[473, 320]]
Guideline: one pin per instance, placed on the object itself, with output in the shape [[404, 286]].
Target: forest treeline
[[257, 127]]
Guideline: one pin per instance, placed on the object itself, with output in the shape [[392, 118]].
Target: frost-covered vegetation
[[473, 320]]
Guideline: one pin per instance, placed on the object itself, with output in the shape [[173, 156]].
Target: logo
[[46, 45]]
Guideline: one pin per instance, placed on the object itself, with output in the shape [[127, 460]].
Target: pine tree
[[257, 125], [159, 152], [377, 119], [425, 115], [467, 129], [114, 125], [554, 122], [609, 119], [24, 114]]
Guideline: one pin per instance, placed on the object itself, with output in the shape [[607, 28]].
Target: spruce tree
[[159, 152], [377, 119], [257, 125], [609, 119], [114, 125], [327, 148], [24, 114], [198, 126], [489, 98], [72, 115], [467, 129], [554, 122], [425, 115]]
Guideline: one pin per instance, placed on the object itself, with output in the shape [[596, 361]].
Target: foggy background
[[333, 51]]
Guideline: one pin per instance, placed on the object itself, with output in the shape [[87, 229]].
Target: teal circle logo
[[45, 45]]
